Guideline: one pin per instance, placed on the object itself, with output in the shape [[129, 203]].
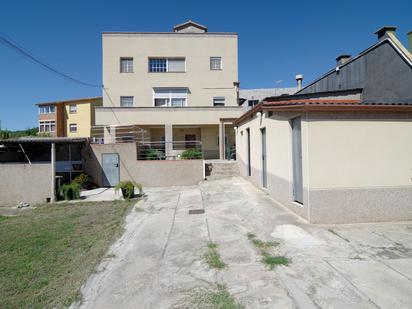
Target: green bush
[[154, 154], [82, 179], [190, 154], [4, 134], [69, 191], [127, 188]]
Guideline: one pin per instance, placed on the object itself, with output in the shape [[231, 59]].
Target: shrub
[[4, 134], [127, 188], [191, 154], [154, 154], [69, 191], [82, 179]]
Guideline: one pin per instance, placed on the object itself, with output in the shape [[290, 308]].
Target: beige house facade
[[181, 87]]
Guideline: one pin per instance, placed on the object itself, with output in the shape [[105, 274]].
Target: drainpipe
[[53, 173], [237, 86], [221, 140]]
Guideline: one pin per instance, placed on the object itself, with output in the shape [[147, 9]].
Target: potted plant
[[82, 180], [127, 188], [69, 191]]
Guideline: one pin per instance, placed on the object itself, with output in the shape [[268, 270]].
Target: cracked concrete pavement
[[159, 259]]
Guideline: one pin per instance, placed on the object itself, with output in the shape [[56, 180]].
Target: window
[[47, 109], [219, 101], [73, 128], [73, 109], [47, 126], [167, 65], [252, 103], [215, 63], [126, 101], [170, 97], [126, 65]]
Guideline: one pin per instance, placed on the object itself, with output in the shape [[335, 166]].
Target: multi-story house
[[180, 88], [71, 118]]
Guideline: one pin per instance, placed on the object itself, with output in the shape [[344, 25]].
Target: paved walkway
[[159, 259]]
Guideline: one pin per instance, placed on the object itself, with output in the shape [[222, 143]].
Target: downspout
[[53, 174]]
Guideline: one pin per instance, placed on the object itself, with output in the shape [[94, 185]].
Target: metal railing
[[168, 150], [117, 134]]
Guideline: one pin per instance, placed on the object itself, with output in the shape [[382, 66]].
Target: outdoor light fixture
[[258, 114]]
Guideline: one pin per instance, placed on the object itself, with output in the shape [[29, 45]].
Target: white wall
[[357, 167], [347, 151], [279, 157]]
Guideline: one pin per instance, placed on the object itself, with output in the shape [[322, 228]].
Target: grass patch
[[261, 244], [271, 261], [222, 299], [48, 253], [212, 245], [212, 257], [213, 298]]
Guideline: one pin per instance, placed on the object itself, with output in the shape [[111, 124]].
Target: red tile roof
[[309, 101]]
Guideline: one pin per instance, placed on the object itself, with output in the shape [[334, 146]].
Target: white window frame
[[46, 109], [221, 63], [167, 64], [124, 97], [73, 108], [221, 99], [129, 69], [73, 125], [170, 96], [47, 124]]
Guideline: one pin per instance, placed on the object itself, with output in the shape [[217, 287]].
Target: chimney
[[410, 41], [299, 79], [342, 59], [382, 32]]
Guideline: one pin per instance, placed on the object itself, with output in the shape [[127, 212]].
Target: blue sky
[[277, 40]]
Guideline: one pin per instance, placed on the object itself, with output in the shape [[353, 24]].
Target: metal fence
[[116, 134], [169, 150]]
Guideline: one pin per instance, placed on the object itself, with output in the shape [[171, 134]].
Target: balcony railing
[[117, 134], [168, 150]]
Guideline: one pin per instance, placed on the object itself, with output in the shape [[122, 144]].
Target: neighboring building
[[70, 118], [180, 88], [249, 98], [339, 151]]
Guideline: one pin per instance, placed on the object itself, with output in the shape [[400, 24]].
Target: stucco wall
[[149, 173], [360, 167], [24, 183], [203, 83], [82, 118], [357, 167], [279, 157], [163, 115]]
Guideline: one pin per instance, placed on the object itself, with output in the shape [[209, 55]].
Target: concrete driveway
[[160, 258]]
